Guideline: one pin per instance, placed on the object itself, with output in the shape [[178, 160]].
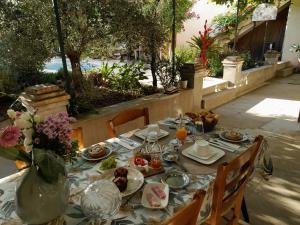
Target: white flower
[[28, 133], [28, 148], [23, 124], [26, 116], [11, 113], [37, 119], [27, 141]]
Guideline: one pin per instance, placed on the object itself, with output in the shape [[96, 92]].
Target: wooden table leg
[[245, 211]]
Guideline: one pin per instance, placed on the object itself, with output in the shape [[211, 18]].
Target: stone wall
[[160, 106]]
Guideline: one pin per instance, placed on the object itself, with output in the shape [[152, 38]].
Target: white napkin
[[125, 143]]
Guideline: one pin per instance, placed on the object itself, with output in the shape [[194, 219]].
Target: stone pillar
[[196, 72], [232, 71], [45, 100]]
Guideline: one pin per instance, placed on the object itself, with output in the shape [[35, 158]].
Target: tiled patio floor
[[273, 110]]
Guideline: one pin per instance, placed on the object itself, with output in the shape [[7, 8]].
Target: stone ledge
[[139, 102]]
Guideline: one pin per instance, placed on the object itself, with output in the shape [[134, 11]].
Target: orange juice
[[181, 134]]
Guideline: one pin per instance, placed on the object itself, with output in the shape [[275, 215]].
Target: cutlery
[[127, 141], [227, 144], [218, 145]]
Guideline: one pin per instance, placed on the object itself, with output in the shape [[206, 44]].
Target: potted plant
[[164, 73], [42, 146], [271, 57], [203, 44]]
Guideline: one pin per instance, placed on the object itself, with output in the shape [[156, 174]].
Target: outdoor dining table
[[82, 173]]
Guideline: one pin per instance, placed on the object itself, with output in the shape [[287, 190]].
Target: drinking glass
[[181, 134], [198, 130], [101, 200]]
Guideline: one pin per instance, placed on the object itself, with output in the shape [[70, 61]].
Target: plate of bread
[[233, 136], [96, 152]]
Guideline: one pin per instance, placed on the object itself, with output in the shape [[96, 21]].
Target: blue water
[[55, 64]]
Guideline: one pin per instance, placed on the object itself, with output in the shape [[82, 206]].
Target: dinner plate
[[147, 190], [135, 180], [144, 132], [206, 154], [85, 155], [222, 136], [188, 152], [176, 179]]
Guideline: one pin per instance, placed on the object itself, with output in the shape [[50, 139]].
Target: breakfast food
[[152, 201], [108, 163], [120, 179], [121, 172], [121, 183], [156, 163], [233, 135], [97, 151], [208, 118], [159, 193], [140, 161]]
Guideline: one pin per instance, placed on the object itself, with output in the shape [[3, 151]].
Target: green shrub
[[127, 78], [186, 55], [248, 61]]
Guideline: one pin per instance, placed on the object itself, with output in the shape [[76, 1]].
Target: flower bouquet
[[43, 146]]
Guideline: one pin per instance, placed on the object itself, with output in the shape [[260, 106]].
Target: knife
[[218, 145]]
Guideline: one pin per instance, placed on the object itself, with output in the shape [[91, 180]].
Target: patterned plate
[[135, 180], [87, 157]]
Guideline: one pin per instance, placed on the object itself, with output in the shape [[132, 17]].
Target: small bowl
[[176, 179]]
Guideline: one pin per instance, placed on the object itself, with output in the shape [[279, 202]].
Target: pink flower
[[9, 136]]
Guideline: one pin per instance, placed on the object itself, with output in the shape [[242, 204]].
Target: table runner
[[82, 173]]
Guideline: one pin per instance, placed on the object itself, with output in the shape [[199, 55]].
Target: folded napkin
[[127, 143], [168, 121]]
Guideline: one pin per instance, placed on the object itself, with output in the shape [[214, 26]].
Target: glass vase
[[39, 202]]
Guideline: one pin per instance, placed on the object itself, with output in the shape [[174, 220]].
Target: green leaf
[[14, 154], [50, 164]]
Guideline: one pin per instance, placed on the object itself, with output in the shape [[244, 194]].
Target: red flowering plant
[[45, 144], [203, 42]]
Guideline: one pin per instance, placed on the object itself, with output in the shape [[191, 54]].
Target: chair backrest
[[231, 180], [189, 214], [77, 134], [126, 116]]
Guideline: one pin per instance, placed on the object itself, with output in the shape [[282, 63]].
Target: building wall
[[292, 34], [205, 11]]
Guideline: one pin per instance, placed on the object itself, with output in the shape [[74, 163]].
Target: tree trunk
[[76, 71], [153, 69]]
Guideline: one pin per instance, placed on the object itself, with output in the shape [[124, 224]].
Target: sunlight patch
[[277, 108]]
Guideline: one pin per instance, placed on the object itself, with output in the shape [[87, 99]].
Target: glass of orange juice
[[181, 134]]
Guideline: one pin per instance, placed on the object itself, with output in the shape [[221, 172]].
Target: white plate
[[245, 138], [119, 164], [143, 134], [135, 180], [205, 156], [163, 202], [87, 157], [188, 152]]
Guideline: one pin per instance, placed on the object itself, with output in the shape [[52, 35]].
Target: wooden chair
[[230, 185], [189, 214], [77, 134], [126, 116]]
